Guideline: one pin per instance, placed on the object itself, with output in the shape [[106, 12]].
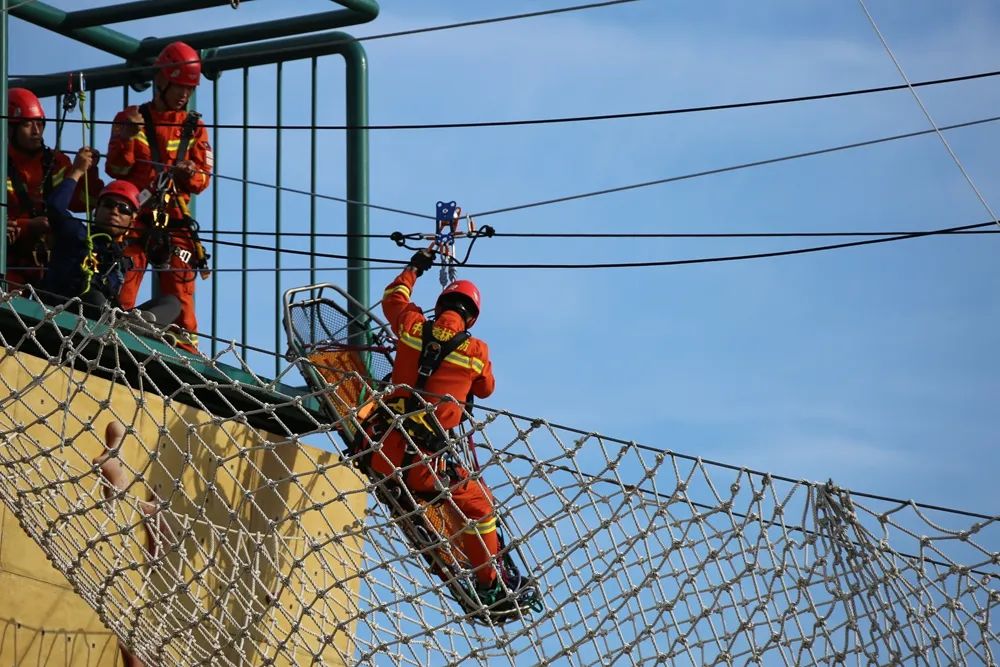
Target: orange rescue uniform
[[130, 158], [464, 371], [24, 251]]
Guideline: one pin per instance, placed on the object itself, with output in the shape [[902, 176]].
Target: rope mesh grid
[[209, 539]]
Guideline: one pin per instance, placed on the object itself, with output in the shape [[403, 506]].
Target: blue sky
[[873, 366]]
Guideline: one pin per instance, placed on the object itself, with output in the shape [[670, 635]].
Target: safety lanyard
[[89, 264]]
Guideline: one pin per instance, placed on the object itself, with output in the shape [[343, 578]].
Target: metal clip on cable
[[442, 241]]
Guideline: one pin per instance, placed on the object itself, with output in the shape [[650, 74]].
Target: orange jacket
[[129, 156], [30, 171], [467, 369]]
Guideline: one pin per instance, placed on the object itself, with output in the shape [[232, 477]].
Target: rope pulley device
[[69, 101], [447, 230]]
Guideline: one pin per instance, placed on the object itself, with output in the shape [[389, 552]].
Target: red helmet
[[124, 190], [22, 104], [179, 64], [463, 296]]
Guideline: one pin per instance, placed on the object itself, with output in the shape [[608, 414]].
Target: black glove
[[422, 260]]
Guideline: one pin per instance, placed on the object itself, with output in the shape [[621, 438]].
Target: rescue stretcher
[[345, 353]]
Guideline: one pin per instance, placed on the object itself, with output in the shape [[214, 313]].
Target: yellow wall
[[225, 483]]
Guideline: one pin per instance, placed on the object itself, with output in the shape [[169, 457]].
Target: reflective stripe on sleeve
[[482, 528], [402, 289], [58, 177]]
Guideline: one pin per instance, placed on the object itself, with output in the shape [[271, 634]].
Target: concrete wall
[[252, 527]]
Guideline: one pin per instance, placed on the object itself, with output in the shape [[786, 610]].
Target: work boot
[[492, 593], [182, 340], [498, 598]]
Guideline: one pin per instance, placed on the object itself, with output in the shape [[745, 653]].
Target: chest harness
[[158, 243], [111, 266], [39, 253], [419, 423]]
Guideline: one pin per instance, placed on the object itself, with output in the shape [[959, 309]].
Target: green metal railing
[[223, 50]]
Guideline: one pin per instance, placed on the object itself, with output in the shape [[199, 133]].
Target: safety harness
[[111, 265], [159, 247], [40, 252], [418, 423]]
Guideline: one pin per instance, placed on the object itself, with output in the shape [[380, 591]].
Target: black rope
[[599, 235], [736, 167], [619, 265], [597, 117], [622, 188]]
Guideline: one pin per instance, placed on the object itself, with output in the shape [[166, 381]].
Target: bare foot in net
[[157, 532], [110, 463], [129, 660]]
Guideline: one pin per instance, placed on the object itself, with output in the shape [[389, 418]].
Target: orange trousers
[[26, 276], [470, 496], [178, 280]]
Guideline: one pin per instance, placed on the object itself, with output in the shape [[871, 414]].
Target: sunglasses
[[120, 206]]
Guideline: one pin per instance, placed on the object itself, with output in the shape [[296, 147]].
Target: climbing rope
[[78, 99]]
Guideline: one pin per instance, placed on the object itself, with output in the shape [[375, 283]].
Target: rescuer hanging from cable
[[441, 357]]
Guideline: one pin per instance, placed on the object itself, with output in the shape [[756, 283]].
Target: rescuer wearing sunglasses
[[97, 273]]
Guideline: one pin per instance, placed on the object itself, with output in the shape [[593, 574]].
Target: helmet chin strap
[[457, 307], [161, 94]]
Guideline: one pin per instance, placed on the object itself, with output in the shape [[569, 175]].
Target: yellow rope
[[89, 266]]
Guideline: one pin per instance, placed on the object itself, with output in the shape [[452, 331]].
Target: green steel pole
[[256, 32], [313, 120], [246, 175], [277, 222], [357, 172], [215, 222], [51, 18], [132, 11], [3, 134]]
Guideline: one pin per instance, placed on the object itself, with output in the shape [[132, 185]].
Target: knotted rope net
[[209, 517]]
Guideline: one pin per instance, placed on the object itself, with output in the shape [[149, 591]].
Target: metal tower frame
[[222, 49]]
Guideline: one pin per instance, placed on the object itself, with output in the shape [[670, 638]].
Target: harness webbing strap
[[425, 433], [434, 352], [188, 126], [21, 188], [154, 146]]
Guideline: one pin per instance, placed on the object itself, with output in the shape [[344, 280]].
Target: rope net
[[209, 517]]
